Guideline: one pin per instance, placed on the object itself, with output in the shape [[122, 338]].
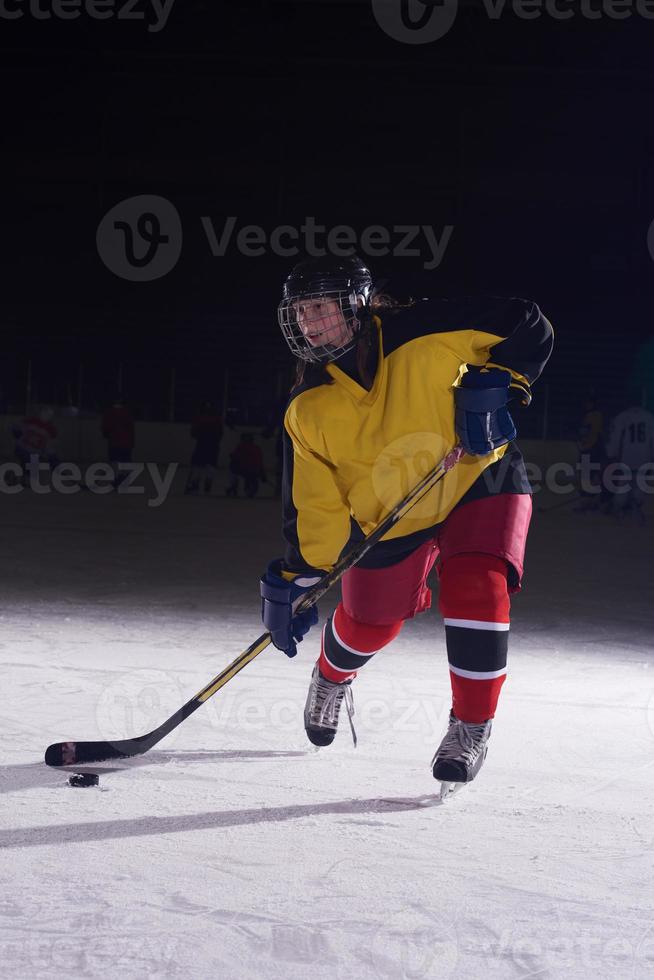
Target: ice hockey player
[[384, 390], [207, 430], [118, 429], [590, 444], [275, 427], [246, 461], [36, 439], [631, 442]]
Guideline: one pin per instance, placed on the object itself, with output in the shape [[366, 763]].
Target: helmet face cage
[[318, 314], [319, 327]]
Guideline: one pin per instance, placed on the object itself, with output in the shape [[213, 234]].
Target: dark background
[[532, 138]]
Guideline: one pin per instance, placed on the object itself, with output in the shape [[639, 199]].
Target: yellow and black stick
[[78, 753]]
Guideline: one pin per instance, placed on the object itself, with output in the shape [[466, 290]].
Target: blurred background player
[[118, 429], [590, 443], [641, 382], [275, 428], [631, 442], [247, 462], [36, 438], [207, 430]]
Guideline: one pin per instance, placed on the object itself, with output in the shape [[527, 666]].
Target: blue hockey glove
[[481, 418], [279, 599]]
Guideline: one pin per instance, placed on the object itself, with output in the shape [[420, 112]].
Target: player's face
[[322, 322]]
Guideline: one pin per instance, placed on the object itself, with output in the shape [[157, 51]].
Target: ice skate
[[460, 755], [323, 706]]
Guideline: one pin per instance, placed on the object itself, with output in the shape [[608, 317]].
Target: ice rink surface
[[234, 850]]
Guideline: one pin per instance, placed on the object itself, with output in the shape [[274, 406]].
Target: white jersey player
[[631, 441]]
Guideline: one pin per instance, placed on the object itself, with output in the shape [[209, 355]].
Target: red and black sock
[[475, 604], [348, 645]]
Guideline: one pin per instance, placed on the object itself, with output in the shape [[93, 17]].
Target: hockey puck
[[84, 779]]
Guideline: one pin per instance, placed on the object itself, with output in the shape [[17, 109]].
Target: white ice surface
[[235, 850]]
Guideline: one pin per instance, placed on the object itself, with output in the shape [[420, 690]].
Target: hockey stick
[[75, 753], [559, 504]]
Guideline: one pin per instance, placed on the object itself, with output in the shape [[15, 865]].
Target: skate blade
[[413, 802], [448, 790]]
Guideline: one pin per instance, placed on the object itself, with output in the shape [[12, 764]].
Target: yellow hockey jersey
[[351, 453]]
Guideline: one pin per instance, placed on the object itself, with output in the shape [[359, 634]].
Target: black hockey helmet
[[332, 294]]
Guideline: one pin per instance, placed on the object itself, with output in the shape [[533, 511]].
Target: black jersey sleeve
[[515, 333], [526, 347]]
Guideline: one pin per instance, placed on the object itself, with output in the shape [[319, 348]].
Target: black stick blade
[[60, 751], [73, 753]]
